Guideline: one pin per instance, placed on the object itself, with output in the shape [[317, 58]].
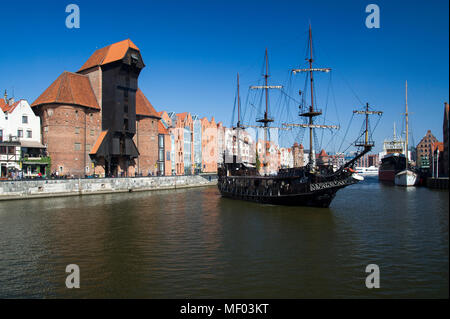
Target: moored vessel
[[392, 158], [367, 171], [311, 185], [391, 165], [408, 176]]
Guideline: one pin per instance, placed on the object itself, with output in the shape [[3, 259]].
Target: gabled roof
[[162, 129], [6, 107], [323, 153], [144, 107], [111, 53], [69, 88], [182, 116]]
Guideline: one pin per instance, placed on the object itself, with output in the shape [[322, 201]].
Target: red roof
[[143, 106], [98, 142], [6, 107], [182, 116], [69, 88], [111, 53], [162, 129], [437, 145], [323, 153]]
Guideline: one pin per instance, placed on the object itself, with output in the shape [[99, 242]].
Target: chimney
[[11, 101]]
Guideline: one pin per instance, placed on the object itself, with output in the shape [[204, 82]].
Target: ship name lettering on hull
[[319, 186]]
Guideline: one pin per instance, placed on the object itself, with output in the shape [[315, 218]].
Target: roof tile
[[69, 88], [6, 107], [111, 53], [143, 106]]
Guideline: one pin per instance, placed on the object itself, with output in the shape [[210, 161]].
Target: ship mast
[[238, 122], [312, 111], [266, 120], [367, 144], [312, 155], [239, 103], [406, 118]]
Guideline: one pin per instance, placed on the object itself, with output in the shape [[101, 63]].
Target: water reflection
[[193, 243]]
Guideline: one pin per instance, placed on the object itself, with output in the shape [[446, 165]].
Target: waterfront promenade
[[26, 189]]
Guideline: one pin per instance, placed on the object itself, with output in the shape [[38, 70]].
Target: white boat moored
[[357, 177], [406, 178]]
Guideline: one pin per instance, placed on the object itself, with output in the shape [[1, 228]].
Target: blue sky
[[193, 50]]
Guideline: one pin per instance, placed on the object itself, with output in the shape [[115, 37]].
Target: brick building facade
[[298, 154], [70, 123], [209, 145], [82, 114], [424, 149]]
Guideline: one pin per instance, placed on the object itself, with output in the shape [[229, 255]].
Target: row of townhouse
[[198, 145], [192, 143], [97, 121]]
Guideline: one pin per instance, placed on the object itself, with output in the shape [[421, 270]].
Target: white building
[[20, 138], [305, 157], [286, 158], [220, 142], [238, 142], [269, 156]]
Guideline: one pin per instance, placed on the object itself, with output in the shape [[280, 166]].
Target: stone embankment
[[71, 187], [439, 183]]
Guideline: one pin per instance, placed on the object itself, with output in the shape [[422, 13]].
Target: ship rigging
[[310, 185]]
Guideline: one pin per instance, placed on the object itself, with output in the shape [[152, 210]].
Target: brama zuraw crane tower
[[97, 120], [119, 66]]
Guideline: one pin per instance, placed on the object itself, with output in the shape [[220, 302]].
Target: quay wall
[[438, 183], [71, 187]]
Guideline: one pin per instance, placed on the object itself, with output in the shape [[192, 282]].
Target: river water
[[191, 243]]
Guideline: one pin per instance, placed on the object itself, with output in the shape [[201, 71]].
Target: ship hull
[[386, 175], [391, 165], [289, 192], [406, 178], [322, 200]]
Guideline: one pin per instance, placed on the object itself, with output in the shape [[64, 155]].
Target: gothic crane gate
[[115, 147]]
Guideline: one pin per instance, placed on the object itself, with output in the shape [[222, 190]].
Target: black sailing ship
[[310, 185]]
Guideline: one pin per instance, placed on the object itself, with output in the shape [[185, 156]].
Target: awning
[[31, 144]]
